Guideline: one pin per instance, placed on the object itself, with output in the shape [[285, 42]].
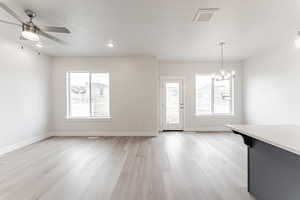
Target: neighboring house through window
[[88, 95], [214, 97]]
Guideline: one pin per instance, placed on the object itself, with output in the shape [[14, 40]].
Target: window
[[203, 95], [88, 95], [222, 97], [214, 96]]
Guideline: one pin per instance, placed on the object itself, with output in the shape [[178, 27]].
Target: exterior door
[[172, 104]]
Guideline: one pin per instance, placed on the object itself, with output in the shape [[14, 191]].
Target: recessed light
[[39, 45], [110, 44]]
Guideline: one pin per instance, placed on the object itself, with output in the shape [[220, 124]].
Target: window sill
[[215, 115], [84, 119]]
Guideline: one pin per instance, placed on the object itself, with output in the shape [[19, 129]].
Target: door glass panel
[[172, 103]]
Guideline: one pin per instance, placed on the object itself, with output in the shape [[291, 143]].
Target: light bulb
[[39, 45], [222, 72], [297, 42], [227, 76], [30, 36], [110, 44], [218, 78]]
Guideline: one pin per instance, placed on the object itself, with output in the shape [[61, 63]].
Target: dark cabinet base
[[273, 173]]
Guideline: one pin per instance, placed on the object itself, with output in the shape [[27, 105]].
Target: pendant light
[[222, 74], [297, 40]]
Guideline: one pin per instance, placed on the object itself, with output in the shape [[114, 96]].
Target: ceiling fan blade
[[52, 37], [54, 29], [11, 12], [11, 23]]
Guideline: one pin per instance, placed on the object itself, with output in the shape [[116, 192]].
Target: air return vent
[[204, 14]]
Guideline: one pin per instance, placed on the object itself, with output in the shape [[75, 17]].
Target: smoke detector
[[204, 14]]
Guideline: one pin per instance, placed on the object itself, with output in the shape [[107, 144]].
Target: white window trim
[[232, 96], [89, 119], [68, 117]]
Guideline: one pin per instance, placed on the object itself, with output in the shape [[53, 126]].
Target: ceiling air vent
[[204, 14]]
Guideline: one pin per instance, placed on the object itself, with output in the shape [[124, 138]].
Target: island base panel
[[273, 173]]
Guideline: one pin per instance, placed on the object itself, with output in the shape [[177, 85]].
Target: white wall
[[25, 95], [188, 70], [271, 87], [133, 95]]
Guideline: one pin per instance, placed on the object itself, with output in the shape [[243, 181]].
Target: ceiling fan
[[30, 31]]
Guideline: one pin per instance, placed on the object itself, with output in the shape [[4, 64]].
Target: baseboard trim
[[23, 143], [225, 131], [104, 133], [208, 129]]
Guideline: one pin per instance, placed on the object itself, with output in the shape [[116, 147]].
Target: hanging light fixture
[[297, 40], [30, 33], [222, 74]]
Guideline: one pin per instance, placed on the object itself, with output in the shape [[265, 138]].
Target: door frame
[[161, 89]]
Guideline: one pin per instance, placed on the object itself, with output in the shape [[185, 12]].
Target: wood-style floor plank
[[172, 166]]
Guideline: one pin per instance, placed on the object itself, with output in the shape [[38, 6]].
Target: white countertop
[[286, 137]]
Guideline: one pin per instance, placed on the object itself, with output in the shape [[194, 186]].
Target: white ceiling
[[162, 28]]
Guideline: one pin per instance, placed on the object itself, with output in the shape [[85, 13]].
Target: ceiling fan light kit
[[30, 31]]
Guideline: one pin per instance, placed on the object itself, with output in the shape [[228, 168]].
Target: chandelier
[[223, 74]]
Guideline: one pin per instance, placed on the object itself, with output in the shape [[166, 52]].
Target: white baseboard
[[205, 129], [23, 143], [208, 129], [105, 133]]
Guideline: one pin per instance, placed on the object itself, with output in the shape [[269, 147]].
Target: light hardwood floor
[[173, 166]]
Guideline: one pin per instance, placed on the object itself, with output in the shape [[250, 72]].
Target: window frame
[[68, 104], [232, 97]]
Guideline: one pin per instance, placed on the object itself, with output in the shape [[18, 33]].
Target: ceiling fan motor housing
[[30, 14], [29, 28]]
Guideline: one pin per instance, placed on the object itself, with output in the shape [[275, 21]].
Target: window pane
[[100, 94], [222, 97], [203, 94], [172, 103], [79, 95]]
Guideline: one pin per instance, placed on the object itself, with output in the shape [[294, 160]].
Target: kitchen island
[[273, 160]]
